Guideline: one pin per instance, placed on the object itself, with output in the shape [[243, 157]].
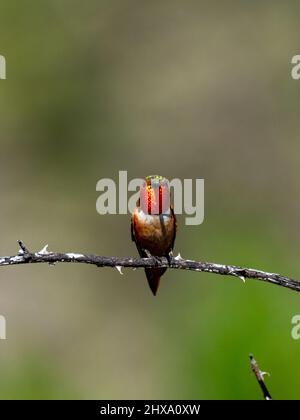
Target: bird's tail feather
[[153, 277]]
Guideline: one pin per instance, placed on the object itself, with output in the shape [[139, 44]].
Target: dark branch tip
[[23, 247]]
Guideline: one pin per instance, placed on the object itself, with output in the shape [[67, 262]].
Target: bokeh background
[[188, 89]]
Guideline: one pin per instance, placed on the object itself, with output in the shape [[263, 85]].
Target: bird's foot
[[149, 255], [147, 252], [170, 257]]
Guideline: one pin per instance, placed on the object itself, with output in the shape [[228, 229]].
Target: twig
[[25, 256], [260, 378], [23, 248]]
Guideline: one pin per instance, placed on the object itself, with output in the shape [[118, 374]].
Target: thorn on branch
[[44, 251], [235, 272], [119, 268], [179, 257]]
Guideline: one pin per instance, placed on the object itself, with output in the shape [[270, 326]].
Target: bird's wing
[[175, 227], [132, 230], [133, 238]]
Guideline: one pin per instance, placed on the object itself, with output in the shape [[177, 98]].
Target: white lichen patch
[[219, 265], [16, 259], [74, 256], [264, 273]]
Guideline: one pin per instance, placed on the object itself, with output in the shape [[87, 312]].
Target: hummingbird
[[153, 225]]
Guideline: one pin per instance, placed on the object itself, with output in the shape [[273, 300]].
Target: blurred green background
[[188, 89]]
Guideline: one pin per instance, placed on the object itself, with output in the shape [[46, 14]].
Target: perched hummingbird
[[153, 225]]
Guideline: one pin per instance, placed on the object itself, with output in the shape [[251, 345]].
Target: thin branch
[[25, 257], [23, 248], [260, 378]]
